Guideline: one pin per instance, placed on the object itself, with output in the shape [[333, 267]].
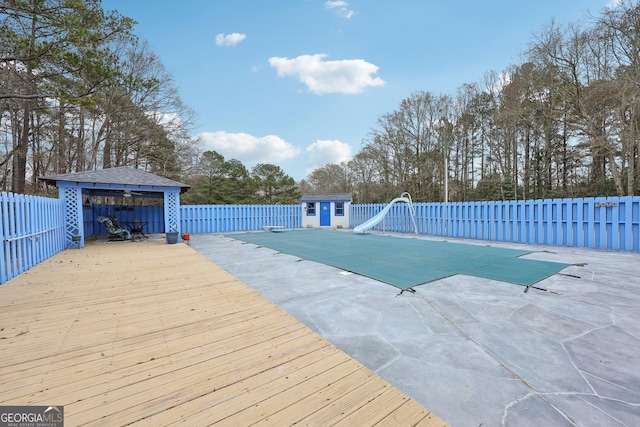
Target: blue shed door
[[325, 214]]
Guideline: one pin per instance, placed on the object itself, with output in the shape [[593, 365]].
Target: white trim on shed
[[326, 210]]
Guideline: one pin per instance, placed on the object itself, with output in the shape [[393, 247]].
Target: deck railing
[[31, 230]]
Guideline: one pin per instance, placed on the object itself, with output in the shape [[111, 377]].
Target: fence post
[[4, 226], [626, 223]]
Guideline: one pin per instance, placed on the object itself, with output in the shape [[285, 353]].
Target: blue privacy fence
[[31, 230], [223, 218], [197, 219], [152, 215], [600, 223]]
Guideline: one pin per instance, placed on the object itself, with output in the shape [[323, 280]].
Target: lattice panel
[[71, 212], [172, 206]]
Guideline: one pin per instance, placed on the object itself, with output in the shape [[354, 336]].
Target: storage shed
[[326, 210]]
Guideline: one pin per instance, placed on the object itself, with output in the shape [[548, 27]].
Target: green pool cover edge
[[401, 261]]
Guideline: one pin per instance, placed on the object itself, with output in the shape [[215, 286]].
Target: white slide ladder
[[372, 222]]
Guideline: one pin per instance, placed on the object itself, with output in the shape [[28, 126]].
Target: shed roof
[[326, 197], [124, 175]]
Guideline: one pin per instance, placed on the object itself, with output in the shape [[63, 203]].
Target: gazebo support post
[[172, 212], [73, 220]]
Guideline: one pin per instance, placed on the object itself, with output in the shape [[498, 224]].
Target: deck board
[[156, 334]]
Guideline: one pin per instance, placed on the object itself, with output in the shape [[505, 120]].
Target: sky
[[302, 83]]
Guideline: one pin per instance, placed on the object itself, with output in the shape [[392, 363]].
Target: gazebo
[[114, 182]]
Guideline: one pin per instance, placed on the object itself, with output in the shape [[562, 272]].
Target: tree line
[[80, 91], [563, 123], [219, 181]]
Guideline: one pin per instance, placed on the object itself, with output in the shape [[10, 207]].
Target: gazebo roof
[[121, 176]]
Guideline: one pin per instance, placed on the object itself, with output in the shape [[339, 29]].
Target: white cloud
[[340, 7], [229, 39], [249, 149], [345, 76], [323, 152]]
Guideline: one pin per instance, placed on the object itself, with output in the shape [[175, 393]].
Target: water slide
[[372, 222]]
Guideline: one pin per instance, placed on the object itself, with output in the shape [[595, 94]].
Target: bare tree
[[619, 30], [55, 50]]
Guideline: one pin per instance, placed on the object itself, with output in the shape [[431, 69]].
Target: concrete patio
[[476, 352]]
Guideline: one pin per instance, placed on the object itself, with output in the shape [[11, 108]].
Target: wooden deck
[[155, 334]]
